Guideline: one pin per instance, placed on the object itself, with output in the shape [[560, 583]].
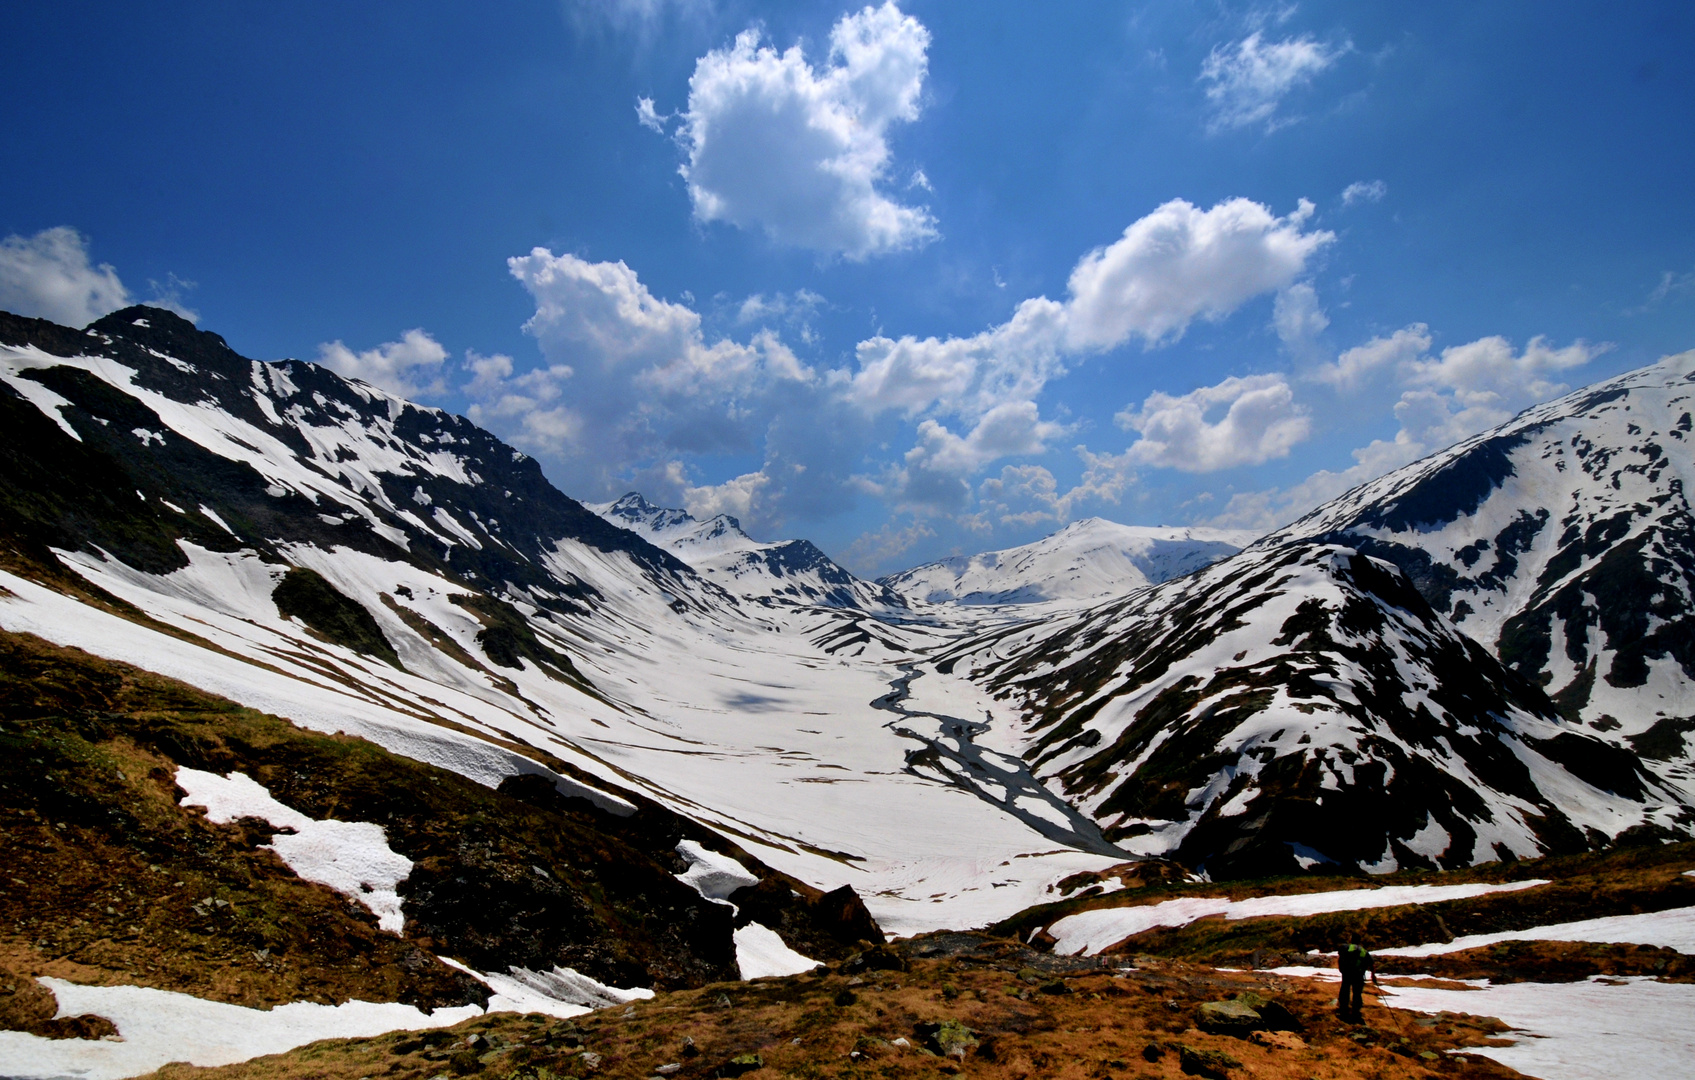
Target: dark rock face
[[1292, 708], [824, 926]]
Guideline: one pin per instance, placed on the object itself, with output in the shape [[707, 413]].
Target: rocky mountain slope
[[1564, 541], [1295, 707], [1090, 559], [786, 572]]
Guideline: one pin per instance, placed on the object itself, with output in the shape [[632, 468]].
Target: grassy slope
[[1027, 1018]]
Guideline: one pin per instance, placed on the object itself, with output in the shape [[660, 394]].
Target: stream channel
[[980, 771]]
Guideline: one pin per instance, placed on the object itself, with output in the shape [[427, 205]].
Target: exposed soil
[[1003, 1010]]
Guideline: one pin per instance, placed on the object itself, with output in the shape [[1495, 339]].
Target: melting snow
[[562, 992], [1674, 929], [760, 954], [351, 857], [1599, 1029], [159, 1026], [712, 875], [1088, 932]]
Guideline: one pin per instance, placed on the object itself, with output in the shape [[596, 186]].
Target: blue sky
[[906, 280]]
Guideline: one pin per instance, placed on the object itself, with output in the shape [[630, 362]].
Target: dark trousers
[[1353, 992]]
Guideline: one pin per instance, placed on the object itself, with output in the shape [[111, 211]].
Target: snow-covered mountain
[[315, 548], [1090, 559], [1563, 540], [787, 571], [1293, 707], [318, 549]]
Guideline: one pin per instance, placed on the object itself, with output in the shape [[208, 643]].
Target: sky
[[907, 280]]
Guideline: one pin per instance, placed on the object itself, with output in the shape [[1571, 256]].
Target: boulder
[[949, 1038], [1229, 1018]]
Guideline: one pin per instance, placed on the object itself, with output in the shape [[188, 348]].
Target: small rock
[[689, 1048], [1153, 1052], [667, 1070], [902, 1043], [722, 1001], [844, 998], [1208, 1063], [590, 1060], [741, 1063]]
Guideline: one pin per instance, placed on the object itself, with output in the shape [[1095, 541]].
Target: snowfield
[[1089, 932]]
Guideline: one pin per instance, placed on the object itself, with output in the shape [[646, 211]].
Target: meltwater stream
[[981, 771]]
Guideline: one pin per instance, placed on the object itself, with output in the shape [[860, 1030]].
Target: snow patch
[[761, 954], [1088, 932], [351, 857], [1673, 929], [160, 1026], [712, 875]]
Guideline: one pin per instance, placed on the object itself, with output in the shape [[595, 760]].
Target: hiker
[[1353, 962]]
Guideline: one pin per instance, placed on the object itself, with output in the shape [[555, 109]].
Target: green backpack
[[1353, 959]]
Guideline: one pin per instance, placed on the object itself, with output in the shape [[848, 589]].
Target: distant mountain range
[[1092, 559], [788, 571]]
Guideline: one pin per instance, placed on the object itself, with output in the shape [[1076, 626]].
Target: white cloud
[[777, 144], [736, 496], [1029, 494], [1299, 320], [1486, 372], [1181, 263], [648, 117], [968, 376], [629, 379], [410, 367], [1261, 421], [1362, 362], [1248, 80], [1008, 430], [48, 276], [1175, 265], [1468, 389], [1364, 191]]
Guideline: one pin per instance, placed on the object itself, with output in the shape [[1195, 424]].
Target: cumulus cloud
[[1444, 399], [1358, 365], [798, 151], [1260, 421], [1364, 191], [1030, 495], [1247, 81], [1175, 265], [1181, 263], [410, 367], [629, 379], [873, 552], [735, 496], [48, 276]]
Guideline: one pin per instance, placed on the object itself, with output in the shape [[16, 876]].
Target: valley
[[602, 752]]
